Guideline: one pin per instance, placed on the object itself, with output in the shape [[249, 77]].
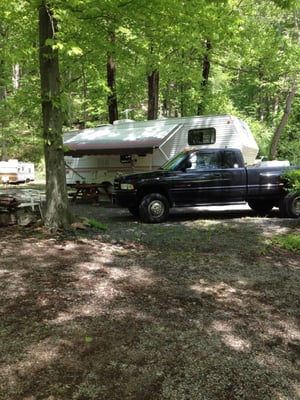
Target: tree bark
[[153, 90], [3, 123], [112, 100], [205, 74], [206, 65], [111, 83], [283, 122], [57, 214]]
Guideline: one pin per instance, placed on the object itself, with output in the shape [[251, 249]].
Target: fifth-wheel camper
[[97, 155]]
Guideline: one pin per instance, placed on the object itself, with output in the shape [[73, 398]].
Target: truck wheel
[[290, 205], [262, 207], [154, 208]]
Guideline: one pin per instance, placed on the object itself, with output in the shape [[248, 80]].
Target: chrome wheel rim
[[156, 208]]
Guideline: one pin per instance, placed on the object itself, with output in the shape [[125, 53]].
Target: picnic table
[[91, 191]]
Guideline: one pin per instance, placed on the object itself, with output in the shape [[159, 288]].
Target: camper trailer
[[97, 155], [14, 171]]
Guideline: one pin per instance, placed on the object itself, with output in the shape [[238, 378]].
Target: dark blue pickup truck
[[205, 177]]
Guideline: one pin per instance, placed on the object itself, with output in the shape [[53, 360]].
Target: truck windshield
[[176, 163]]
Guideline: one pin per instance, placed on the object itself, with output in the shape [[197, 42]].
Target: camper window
[[125, 158], [201, 136]]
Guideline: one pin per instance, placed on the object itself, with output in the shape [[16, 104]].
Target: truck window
[[175, 163], [229, 159], [206, 160], [200, 136]]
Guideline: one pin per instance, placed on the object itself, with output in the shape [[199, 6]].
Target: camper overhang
[[81, 150], [117, 140]]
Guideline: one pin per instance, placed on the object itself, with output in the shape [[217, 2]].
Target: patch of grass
[[288, 242], [97, 225]]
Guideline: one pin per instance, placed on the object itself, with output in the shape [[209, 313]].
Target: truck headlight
[[127, 186]]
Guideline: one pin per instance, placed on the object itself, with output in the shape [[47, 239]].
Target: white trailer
[[96, 155], [14, 171]]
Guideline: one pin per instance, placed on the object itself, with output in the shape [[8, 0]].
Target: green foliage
[[97, 225], [288, 242], [263, 135], [293, 179], [289, 145], [253, 58]]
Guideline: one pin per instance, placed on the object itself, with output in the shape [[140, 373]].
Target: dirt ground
[[201, 307]]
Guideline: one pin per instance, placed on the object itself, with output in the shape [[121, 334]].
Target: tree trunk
[[153, 89], [57, 213], [4, 150], [283, 122], [205, 75], [112, 97], [3, 124], [111, 83], [206, 65]]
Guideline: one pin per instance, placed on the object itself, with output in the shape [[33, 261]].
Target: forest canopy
[[145, 60]]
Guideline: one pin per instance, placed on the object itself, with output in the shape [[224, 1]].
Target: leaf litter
[[200, 307]]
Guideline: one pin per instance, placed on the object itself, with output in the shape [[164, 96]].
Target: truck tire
[[261, 207], [154, 208], [290, 205]]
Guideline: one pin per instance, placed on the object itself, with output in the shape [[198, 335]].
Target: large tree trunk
[[283, 122], [57, 213], [153, 90]]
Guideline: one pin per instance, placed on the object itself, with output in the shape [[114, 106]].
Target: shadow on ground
[[200, 307]]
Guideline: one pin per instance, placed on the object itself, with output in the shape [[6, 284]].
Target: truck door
[[234, 179], [201, 182]]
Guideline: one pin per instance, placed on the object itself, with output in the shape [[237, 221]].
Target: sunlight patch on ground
[[34, 358], [96, 287], [222, 291], [235, 342], [225, 330]]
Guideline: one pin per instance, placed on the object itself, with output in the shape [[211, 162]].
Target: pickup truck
[[205, 177]]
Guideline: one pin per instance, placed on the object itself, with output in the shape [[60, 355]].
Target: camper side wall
[[13, 171], [104, 168], [9, 171], [26, 172]]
